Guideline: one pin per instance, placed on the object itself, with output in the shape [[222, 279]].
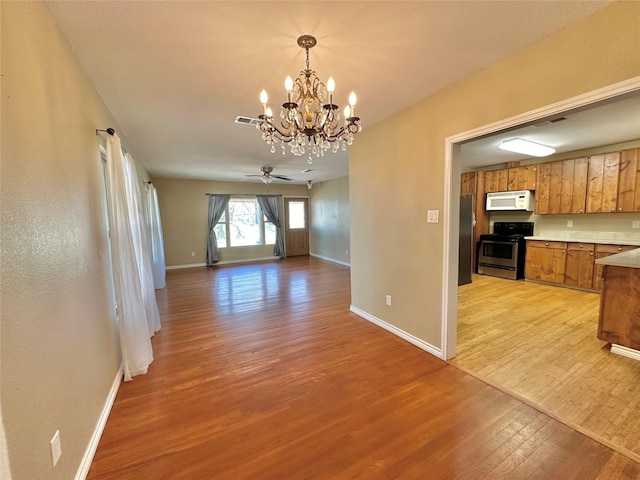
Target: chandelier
[[308, 123]]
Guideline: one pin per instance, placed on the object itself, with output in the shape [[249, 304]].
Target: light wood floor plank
[[539, 342], [261, 372]]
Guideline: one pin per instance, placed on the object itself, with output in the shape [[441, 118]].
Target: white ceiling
[[606, 123], [176, 74]]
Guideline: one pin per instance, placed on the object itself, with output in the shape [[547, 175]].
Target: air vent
[[556, 120], [246, 120], [307, 170]]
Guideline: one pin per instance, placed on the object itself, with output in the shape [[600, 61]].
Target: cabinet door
[[602, 191], [468, 183], [496, 181], [522, 178], [542, 191], [555, 187], [579, 267], [546, 261], [580, 175], [629, 181]]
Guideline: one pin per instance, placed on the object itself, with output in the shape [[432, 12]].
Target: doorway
[[296, 226], [452, 191]]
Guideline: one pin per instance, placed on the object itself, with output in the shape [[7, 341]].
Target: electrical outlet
[[346, 253], [635, 224], [570, 223], [432, 216], [389, 300], [193, 254], [56, 448]]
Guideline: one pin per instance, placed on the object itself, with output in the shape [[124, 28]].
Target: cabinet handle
[[613, 209], [620, 209], [591, 254], [546, 244], [619, 249]]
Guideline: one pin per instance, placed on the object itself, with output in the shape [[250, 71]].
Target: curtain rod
[[241, 194]]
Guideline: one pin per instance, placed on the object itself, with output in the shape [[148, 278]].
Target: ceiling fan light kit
[[526, 147], [309, 120]]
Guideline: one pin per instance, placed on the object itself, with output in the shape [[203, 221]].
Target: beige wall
[[397, 165], [184, 207], [329, 207], [59, 352]]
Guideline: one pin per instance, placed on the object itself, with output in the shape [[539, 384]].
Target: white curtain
[[133, 280], [155, 236]]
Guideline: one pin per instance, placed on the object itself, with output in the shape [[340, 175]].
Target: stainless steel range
[[502, 253]]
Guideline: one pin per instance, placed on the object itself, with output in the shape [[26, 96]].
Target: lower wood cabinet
[[568, 263], [580, 265], [602, 251], [619, 320], [545, 261]]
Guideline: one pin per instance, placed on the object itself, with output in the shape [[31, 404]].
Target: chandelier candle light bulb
[[307, 123]]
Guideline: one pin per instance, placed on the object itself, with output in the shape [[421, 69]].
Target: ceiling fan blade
[[282, 177], [254, 175]]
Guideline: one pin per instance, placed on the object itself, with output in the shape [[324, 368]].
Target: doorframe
[[449, 320]]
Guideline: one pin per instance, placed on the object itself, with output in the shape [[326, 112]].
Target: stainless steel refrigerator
[[465, 251]]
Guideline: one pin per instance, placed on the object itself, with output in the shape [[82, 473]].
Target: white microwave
[[520, 200]]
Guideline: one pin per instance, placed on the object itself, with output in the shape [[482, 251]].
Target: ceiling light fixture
[[526, 147], [305, 119]]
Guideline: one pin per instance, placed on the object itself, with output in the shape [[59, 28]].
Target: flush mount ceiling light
[[526, 147], [308, 123]]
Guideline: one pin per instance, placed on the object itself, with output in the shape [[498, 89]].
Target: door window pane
[[296, 215]]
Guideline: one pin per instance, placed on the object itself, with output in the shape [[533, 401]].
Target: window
[[243, 224]]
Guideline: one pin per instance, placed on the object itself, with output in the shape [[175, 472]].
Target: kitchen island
[[619, 321]]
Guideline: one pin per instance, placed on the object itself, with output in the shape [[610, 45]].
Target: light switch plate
[[432, 216], [635, 224]]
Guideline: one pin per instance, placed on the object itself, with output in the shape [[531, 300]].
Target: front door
[[296, 228]]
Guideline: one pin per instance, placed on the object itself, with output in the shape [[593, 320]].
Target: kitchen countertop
[[629, 259], [609, 238]]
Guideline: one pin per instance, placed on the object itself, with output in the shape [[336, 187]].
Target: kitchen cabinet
[[580, 265], [562, 186], [522, 178], [545, 261], [602, 251], [496, 180], [569, 263], [619, 321], [629, 181], [474, 183], [602, 189]]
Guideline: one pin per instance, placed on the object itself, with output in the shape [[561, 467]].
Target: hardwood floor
[[261, 372], [539, 342]]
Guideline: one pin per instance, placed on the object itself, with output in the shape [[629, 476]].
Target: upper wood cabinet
[[629, 181], [496, 180], [521, 178], [562, 186], [468, 183], [511, 179], [602, 189]]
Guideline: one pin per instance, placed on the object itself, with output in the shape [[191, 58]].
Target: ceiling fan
[[267, 177]]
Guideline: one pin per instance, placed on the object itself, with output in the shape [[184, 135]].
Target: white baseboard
[[329, 259], [190, 265], [625, 351], [85, 465], [427, 347]]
